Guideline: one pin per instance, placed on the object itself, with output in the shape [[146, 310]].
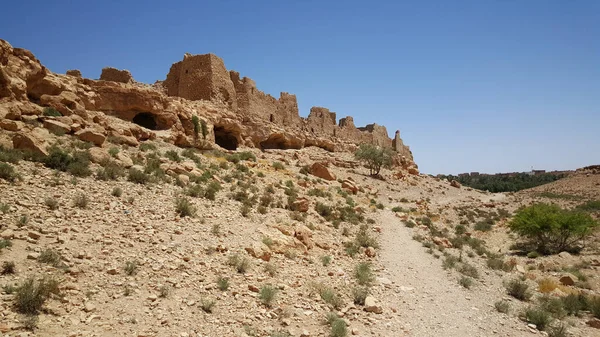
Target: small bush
[[163, 292], [131, 268], [484, 226], [468, 270], [267, 295], [573, 304], [51, 112], [51, 203], [81, 200], [241, 264], [31, 295], [117, 192], [359, 294], [519, 290], [207, 305], [339, 328], [8, 172], [364, 239], [110, 171], [594, 305], [326, 260], [51, 257], [278, 165], [4, 243], [553, 305], [559, 330], [329, 296], [223, 283], [211, 190], [364, 274], [137, 176], [271, 269], [449, 262], [502, 306], [173, 155], [184, 207], [539, 317], [547, 285], [8, 267]]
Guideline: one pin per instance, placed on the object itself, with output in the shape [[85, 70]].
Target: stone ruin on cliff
[[235, 111]]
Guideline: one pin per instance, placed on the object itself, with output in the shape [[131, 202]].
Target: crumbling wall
[[201, 77], [115, 75], [255, 103], [321, 122]]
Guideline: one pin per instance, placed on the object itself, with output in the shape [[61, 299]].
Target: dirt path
[[429, 299]]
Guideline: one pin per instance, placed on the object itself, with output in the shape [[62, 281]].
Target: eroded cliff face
[[235, 111]]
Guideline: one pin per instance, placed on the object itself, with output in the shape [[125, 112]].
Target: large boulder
[[321, 171], [116, 75], [30, 142], [92, 136]]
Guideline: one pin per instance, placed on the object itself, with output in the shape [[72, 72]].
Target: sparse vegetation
[[241, 264], [223, 283], [502, 306], [207, 305], [131, 268], [267, 295], [117, 192], [364, 274], [184, 207], [359, 294], [31, 295], [519, 289], [539, 317], [51, 257], [8, 267], [81, 200]]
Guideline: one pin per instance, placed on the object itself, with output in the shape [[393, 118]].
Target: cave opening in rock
[[225, 139], [146, 120]]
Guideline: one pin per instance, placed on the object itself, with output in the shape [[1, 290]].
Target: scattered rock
[[319, 170]]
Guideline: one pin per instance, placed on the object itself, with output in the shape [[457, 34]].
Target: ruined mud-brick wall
[[204, 77], [115, 75], [201, 77], [251, 101]]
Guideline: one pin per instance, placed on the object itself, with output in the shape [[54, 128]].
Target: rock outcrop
[[234, 111]]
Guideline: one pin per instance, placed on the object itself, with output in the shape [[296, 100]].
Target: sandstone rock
[[56, 127], [98, 155], [455, 183], [301, 205], [370, 252], [372, 306], [350, 186], [304, 235], [594, 323], [568, 279], [124, 159], [319, 170], [10, 125], [259, 251], [25, 141], [413, 171], [184, 179], [253, 288], [92, 136]]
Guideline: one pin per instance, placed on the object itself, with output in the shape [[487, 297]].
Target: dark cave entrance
[[146, 120], [225, 139]]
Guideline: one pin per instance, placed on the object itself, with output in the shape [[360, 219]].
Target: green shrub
[[553, 305], [326, 260], [131, 267], [145, 146], [51, 257], [241, 264], [81, 200], [8, 267], [590, 206], [364, 239], [8, 172], [173, 155], [31, 295], [113, 151], [76, 164], [278, 165], [539, 317], [110, 171], [375, 157], [51, 203], [223, 283], [339, 328], [12, 156], [137, 176], [51, 112], [519, 290], [364, 274], [207, 305], [469, 270], [466, 282], [329, 296], [267, 295], [211, 190], [551, 229], [502, 306], [184, 207], [559, 330], [593, 304], [449, 262], [117, 192], [573, 304], [359, 294]]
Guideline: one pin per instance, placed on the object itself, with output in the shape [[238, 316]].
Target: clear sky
[[481, 85]]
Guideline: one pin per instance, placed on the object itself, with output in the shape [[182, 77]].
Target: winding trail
[[430, 300]]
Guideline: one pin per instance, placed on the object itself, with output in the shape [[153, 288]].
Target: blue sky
[[482, 85]]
